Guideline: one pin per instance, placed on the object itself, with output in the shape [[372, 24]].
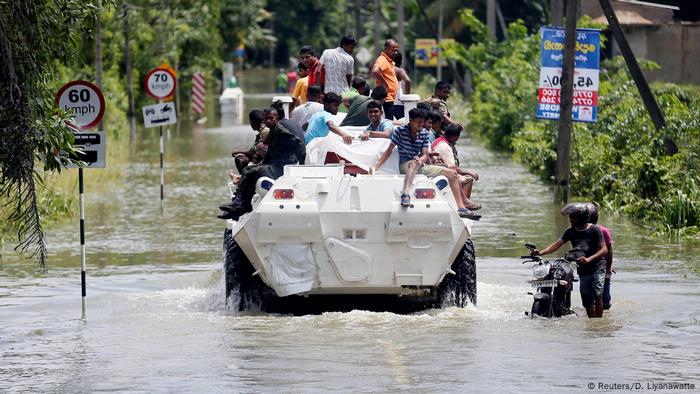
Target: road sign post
[[160, 83], [86, 102]]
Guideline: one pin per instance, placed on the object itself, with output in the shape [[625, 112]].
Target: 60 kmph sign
[[160, 83], [85, 100]]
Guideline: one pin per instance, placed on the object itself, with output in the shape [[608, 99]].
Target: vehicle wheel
[[457, 289], [540, 308], [243, 290]]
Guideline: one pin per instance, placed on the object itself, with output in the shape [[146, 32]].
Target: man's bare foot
[[235, 178]]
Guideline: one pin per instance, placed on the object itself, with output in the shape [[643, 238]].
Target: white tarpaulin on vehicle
[[290, 269], [363, 154]]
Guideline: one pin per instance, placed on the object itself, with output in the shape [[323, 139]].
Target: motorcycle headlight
[[540, 271]]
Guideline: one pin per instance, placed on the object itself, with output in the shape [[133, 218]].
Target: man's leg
[[598, 280], [587, 294], [410, 174], [453, 180], [388, 108], [606, 294], [246, 188]]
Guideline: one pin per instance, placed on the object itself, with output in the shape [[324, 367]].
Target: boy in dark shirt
[[591, 267]]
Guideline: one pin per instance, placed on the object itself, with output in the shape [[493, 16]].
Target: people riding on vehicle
[[301, 86], [284, 148], [379, 127], [384, 73], [438, 101], [323, 122], [444, 147], [307, 55], [337, 64], [255, 154], [304, 112], [357, 114], [412, 143], [359, 88], [591, 266]]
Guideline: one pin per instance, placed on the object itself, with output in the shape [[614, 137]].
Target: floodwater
[[156, 320]]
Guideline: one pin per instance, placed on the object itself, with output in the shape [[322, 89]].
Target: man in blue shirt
[[322, 122], [378, 127], [412, 142]]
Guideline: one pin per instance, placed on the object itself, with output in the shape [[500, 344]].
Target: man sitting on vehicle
[[322, 122], [444, 147], [256, 152], [288, 124], [304, 112], [591, 266], [283, 148], [379, 127], [412, 142], [357, 114], [438, 101], [436, 123], [359, 88]]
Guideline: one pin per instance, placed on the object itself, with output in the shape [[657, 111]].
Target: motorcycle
[[554, 282]]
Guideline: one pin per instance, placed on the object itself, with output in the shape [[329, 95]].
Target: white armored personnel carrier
[[334, 237], [317, 231]]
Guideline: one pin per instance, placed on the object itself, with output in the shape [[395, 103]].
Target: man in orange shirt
[[383, 72]]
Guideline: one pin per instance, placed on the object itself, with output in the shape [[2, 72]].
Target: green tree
[[33, 135]]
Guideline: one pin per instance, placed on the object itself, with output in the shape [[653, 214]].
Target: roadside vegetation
[[619, 161]]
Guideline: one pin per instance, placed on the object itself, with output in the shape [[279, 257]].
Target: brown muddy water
[[156, 320]]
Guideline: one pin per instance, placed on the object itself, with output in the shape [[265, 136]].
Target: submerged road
[[156, 320]]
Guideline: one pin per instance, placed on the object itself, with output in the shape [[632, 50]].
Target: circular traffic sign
[[160, 83], [85, 100]]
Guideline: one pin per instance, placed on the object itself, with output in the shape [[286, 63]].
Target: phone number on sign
[[552, 96]]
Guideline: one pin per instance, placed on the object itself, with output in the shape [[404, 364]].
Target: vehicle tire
[[540, 308], [457, 289], [243, 290], [560, 307]]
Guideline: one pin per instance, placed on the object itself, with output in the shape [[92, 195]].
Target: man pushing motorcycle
[[591, 266]]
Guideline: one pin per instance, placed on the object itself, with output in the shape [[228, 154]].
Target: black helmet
[[579, 212]]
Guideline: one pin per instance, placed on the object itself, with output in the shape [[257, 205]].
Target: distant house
[[656, 34]]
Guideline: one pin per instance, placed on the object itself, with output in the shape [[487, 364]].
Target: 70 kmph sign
[[160, 83]]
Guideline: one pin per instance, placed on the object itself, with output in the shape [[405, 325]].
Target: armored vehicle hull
[[319, 239]]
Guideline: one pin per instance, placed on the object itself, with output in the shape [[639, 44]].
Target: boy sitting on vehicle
[[591, 266], [321, 123], [444, 148], [412, 142], [378, 127]]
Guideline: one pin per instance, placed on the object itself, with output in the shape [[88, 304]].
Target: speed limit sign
[[85, 100], [160, 83]]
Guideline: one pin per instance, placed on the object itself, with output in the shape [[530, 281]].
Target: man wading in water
[[591, 267]]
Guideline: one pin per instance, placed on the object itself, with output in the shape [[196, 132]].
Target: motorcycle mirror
[[530, 246]]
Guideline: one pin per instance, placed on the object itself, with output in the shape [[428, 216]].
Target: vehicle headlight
[[540, 271]]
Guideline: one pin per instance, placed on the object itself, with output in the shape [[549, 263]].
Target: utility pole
[[401, 32], [491, 17], [440, 23], [377, 30], [129, 76], [98, 50], [647, 96], [359, 33], [556, 18], [566, 103]]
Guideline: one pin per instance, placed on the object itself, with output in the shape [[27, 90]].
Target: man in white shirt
[[339, 65], [304, 112]]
